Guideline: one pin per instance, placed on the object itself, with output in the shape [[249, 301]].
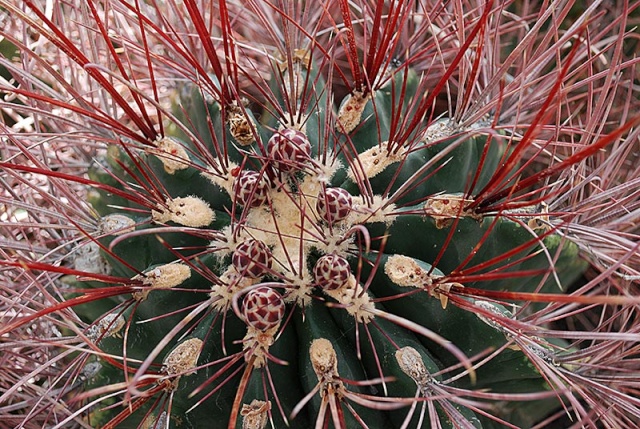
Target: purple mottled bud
[[263, 308], [331, 272], [334, 204], [251, 188], [252, 258], [289, 149]]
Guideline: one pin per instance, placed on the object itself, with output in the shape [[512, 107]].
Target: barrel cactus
[[349, 214]]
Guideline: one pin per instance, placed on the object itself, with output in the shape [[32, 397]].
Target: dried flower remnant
[[89, 259], [350, 114], [110, 325], [375, 160], [255, 415], [444, 208], [183, 359], [405, 271], [411, 363], [241, 126], [116, 224]]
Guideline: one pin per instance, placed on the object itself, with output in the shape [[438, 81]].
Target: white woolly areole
[[172, 154], [225, 245], [356, 301], [165, 276], [374, 161], [376, 210], [188, 211], [233, 282], [299, 290], [259, 342], [335, 241], [350, 113], [294, 121], [324, 172], [224, 182], [405, 271]]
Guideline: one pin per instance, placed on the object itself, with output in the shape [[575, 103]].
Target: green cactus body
[[298, 193]]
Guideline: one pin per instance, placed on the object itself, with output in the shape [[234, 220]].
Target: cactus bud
[[289, 149], [263, 308], [252, 258], [251, 188], [334, 204], [331, 272]]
